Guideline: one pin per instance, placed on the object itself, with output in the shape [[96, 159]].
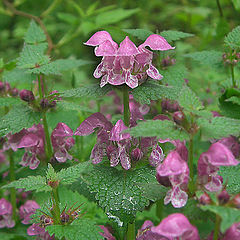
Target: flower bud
[[223, 197], [163, 180], [26, 95], [44, 103], [53, 184], [7, 87], [178, 117], [136, 154], [14, 92], [205, 199], [64, 217]]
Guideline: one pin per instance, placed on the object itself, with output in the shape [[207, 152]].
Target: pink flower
[[62, 141], [126, 63], [233, 233], [176, 226], [27, 210], [176, 169], [35, 229], [6, 214], [208, 165], [232, 144]]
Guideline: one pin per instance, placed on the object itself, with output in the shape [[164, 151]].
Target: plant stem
[[190, 163], [40, 90], [12, 190], [48, 146], [131, 231], [126, 106], [56, 206], [159, 208], [217, 227], [220, 9], [232, 74]]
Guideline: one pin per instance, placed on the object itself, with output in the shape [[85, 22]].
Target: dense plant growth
[[145, 146]]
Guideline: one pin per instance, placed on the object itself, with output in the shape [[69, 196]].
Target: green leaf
[[18, 76], [141, 34], [153, 91], [153, 191], [114, 16], [171, 35], [92, 91], [67, 105], [32, 57], [118, 191], [157, 128], [80, 229], [34, 34], [9, 101], [71, 174], [174, 76], [37, 183], [234, 99], [219, 127], [233, 38], [209, 58], [228, 215], [188, 100], [19, 117], [236, 4], [231, 175]]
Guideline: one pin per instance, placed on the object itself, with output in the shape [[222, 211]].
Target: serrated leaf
[[141, 34], [234, 99], [153, 91], [114, 16], [153, 191], [71, 174], [209, 58], [188, 100], [37, 183], [118, 191], [59, 66], [228, 215], [233, 38], [9, 101], [18, 76], [32, 57], [171, 35], [79, 230], [34, 34], [92, 91], [157, 128], [74, 106], [19, 117], [219, 127], [174, 76], [231, 175]]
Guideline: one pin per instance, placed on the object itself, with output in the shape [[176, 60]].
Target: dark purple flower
[[26, 95], [233, 233]]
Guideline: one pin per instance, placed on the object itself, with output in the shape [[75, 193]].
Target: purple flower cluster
[[32, 140], [127, 63], [116, 145]]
